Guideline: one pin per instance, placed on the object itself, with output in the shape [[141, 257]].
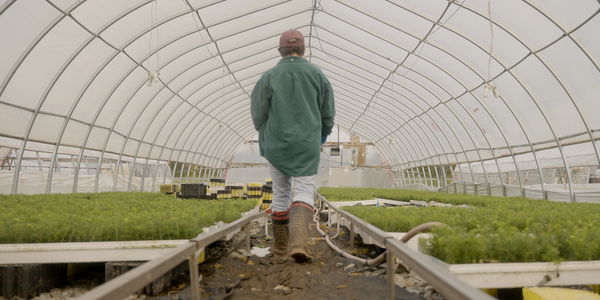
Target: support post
[[57, 165], [351, 236], [174, 168], [390, 274], [40, 161], [247, 237], [193, 264]]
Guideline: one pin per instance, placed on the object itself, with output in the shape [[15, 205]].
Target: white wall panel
[[43, 63], [100, 88], [74, 133]]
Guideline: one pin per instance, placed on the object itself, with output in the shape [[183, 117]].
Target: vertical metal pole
[[87, 166], [72, 162], [187, 179], [194, 176], [587, 177], [248, 237], [401, 173], [112, 171], [131, 167], [444, 176], [99, 171], [164, 172], [437, 176], [57, 164], [143, 173], [193, 264], [200, 173], [390, 275], [351, 236], [40, 161], [430, 176], [181, 173], [174, 168]]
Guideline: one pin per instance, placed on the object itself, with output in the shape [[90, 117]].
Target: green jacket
[[292, 107]]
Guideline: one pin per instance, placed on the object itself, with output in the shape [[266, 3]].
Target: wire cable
[[318, 9], [491, 43]]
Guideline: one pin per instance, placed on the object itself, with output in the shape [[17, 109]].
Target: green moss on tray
[[116, 216]]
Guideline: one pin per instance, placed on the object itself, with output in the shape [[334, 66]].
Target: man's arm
[[327, 109], [259, 103]]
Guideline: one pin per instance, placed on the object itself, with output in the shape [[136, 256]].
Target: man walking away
[[292, 109]]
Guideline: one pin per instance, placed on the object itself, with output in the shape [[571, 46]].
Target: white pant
[[304, 189]]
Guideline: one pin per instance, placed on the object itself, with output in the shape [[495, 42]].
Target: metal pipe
[[193, 265], [351, 236], [390, 275]]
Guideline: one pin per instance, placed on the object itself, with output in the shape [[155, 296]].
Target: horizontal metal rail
[[447, 284], [130, 282], [52, 253]]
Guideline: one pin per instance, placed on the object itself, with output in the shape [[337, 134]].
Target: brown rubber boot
[[301, 217], [281, 221]]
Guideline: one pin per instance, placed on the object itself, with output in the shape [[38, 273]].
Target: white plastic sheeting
[[170, 80]]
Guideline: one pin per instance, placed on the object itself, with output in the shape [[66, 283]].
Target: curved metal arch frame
[[540, 108], [126, 103], [514, 160], [166, 121], [406, 122], [373, 132], [236, 110], [449, 74], [413, 112], [430, 105], [195, 161], [555, 135], [209, 154], [433, 133], [374, 52], [230, 145], [220, 54], [206, 59], [97, 35], [550, 70], [212, 159], [384, 147], [535, 53], [38, 106], [398, 148], [67, 118]]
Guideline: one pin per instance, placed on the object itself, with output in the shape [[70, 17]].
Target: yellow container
[[548, 293]]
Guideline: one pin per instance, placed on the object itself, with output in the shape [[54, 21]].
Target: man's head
[[291, 43]]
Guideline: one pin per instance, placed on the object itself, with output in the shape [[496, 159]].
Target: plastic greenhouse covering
[[500, 95]]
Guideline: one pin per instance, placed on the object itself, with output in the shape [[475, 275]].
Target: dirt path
[[326, 276]]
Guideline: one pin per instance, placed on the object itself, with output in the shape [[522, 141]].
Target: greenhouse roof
[[171, 80]]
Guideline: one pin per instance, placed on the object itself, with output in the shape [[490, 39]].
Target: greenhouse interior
[[454, 98]]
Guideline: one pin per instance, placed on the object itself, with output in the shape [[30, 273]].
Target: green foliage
[[114, 216], [493, 229]]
